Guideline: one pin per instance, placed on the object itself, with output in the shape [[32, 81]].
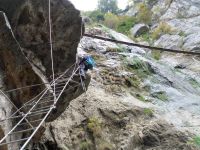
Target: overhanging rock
[[29, 22]]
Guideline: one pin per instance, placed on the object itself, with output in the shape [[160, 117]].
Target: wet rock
[[139, 29]]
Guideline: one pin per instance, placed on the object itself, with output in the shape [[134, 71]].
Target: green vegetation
[[106, 6], [144, 14], [163, 28], [140, 97], [194, 83], [181, 33], [114, 49], [156, 54], [96, 15], [111, 20], [105, 146], [125, 24], [160, 95], [122, 24], [141, 68], [195, 141], [94, 126], [148, 111], [85, 145], [133, 81], [146, 37]]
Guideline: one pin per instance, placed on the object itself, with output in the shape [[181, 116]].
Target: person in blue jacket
[[86, 63]]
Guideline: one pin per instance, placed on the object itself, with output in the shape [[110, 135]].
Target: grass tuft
[[160, 95]]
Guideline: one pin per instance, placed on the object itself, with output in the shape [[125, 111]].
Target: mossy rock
[[161, 95], [141, 68], [132, 81], [148, 112], [156, 54], [85, 145], [194, 83], [114, 49], [141, 98], [94, 126], [105, 146]]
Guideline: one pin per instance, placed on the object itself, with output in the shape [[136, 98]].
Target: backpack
[[89, 62]]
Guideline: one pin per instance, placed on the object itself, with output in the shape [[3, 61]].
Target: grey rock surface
[[139, 29], [170, 41]]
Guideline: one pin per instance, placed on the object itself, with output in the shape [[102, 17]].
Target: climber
[[86, 63]]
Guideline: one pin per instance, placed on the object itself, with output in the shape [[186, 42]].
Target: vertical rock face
[[29, 20]]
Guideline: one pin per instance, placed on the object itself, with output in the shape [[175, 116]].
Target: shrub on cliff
[[95, 15], [125, 24], [163, 28], [144, 13], [111, 20]]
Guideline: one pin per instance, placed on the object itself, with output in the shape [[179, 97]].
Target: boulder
[[139, 29]]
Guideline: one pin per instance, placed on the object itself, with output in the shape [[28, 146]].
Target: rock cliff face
[[183, 17], [25, 49], [137, 97], [133, 102]]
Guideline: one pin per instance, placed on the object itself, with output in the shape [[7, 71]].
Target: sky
[[86, 5]]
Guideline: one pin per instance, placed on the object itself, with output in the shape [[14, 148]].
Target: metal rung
[[43, 102], [58, 88], [14, 141], [38, 112], [46, 101], [22, 131], [62, 83], [43, 108], [30, 122], [74, 81], [31, 115], [63, 79]]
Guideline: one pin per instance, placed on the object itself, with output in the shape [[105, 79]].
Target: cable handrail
[[141, 45]]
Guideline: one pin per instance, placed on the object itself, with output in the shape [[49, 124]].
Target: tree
[[96, 16], [106, 6]]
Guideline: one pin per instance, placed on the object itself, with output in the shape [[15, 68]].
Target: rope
[[33, 99], [29, 112], [82, 83], [51, 45], [143, 46], [45, 117], [13, 35]]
